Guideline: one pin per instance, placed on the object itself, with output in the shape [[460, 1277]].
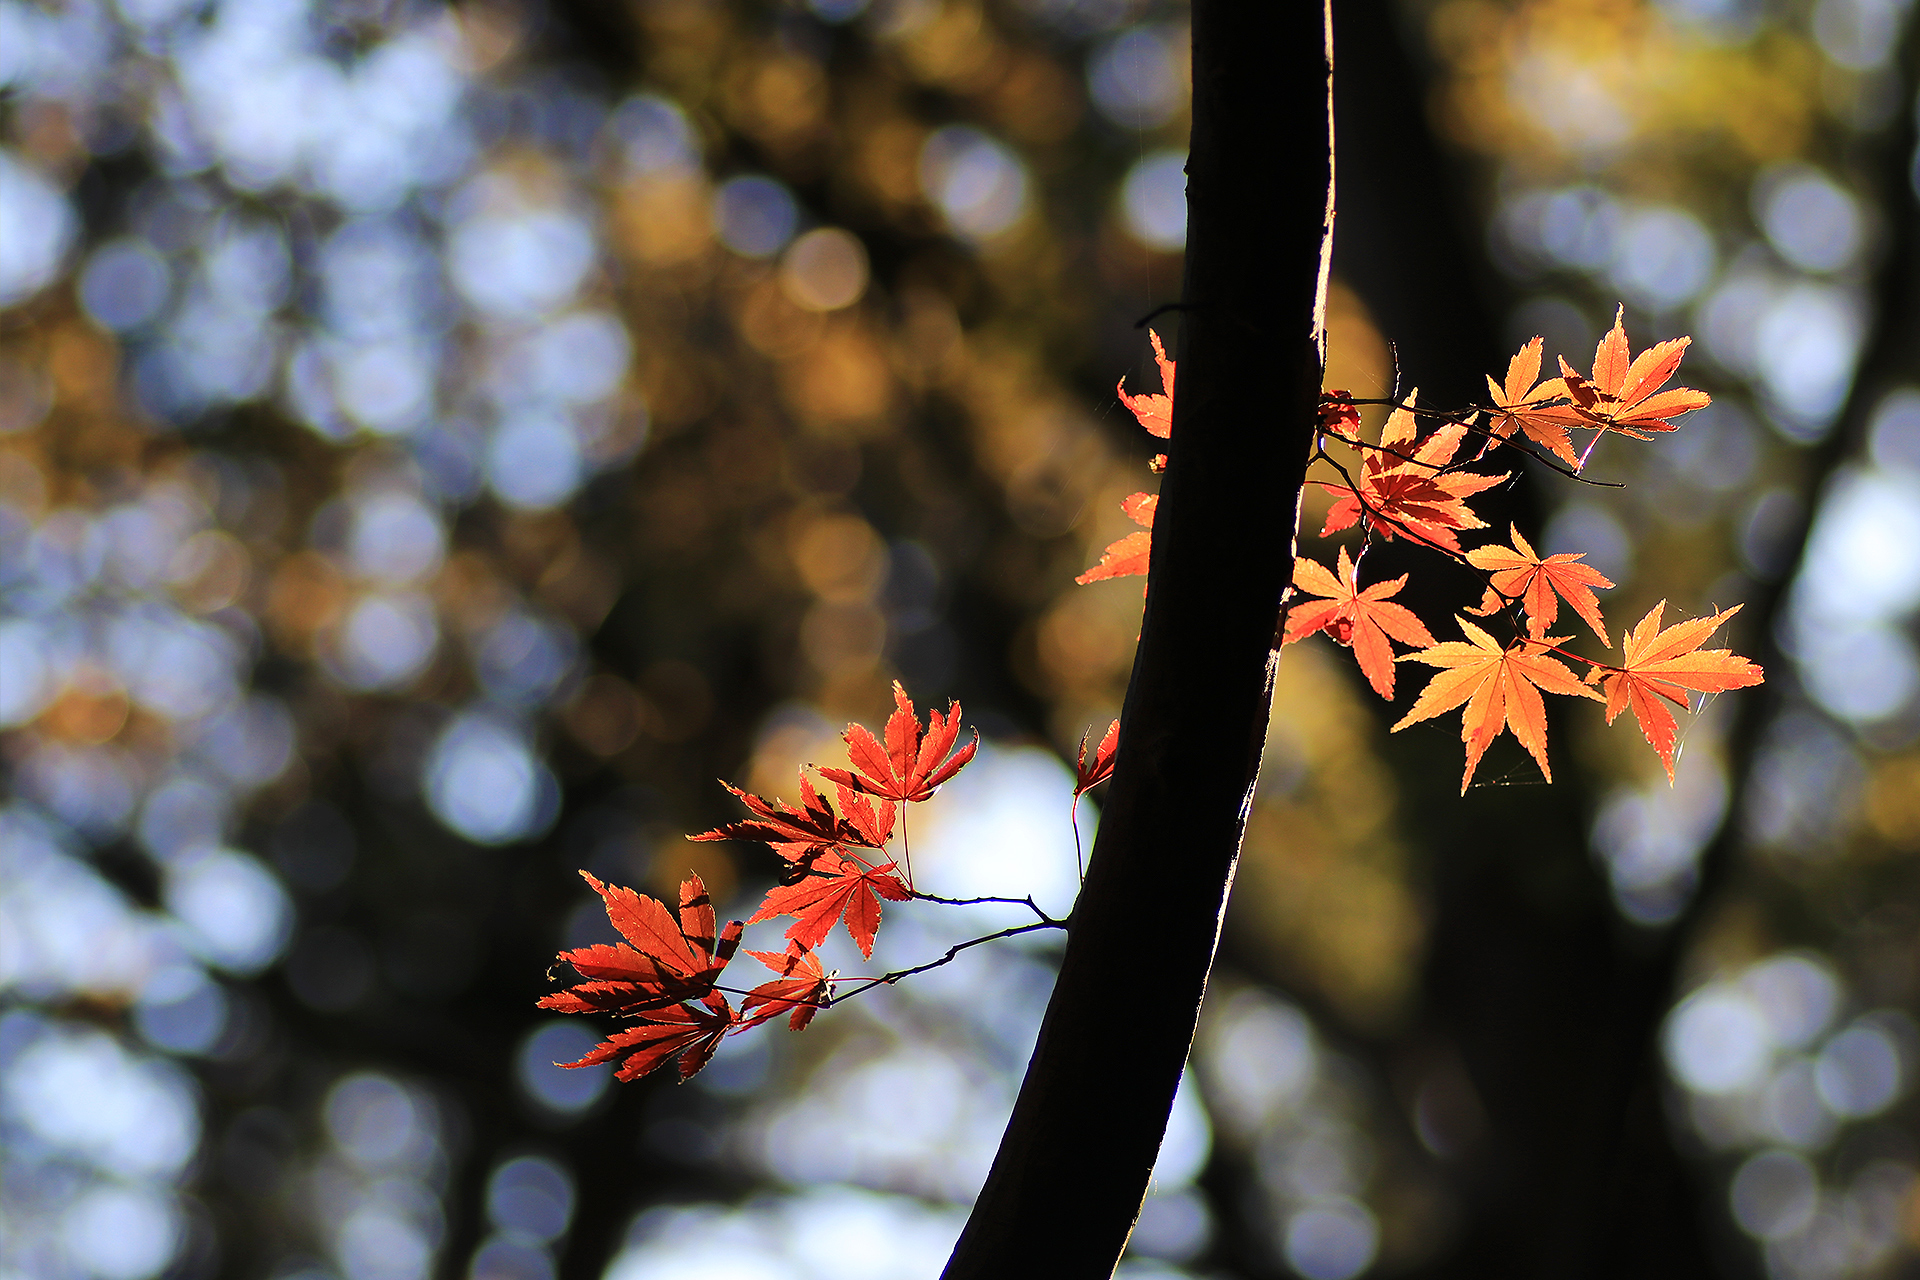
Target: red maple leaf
[[834, 886], [803, 988], [814, 825], [1125, 557], [669, 960], [1661, 667], [1624, 394], [908, 767], [1338, 415], [1405, 491], [691, 1031], [1088, 776], [1360, 617], [1520, 574], [1154, 412], [1501, 686]]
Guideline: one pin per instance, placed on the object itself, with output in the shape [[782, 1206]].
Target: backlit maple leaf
[[1125, 557], [1360, 617], [691, 1031], [1661, 667], [802, 989], [1154, 412], [834, 886], [814, 825], [1624, 394], [1534, 408], [1520, 574], [908, 767], [1338, 415], [670, 959], [1088, 776], [1404, 491], [1501, 686]]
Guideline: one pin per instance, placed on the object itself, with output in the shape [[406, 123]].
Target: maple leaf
[[691, 1031], [802, 989], [1088, 776], [1661, 667], [669, 960], [1338, 415], [1520, 574], [1409, 494], [1624, 394], [834, 886], [814, 825], [1526, 406], [909, 767], [1501, 686], [1360, 618], [1154, 412], [1125, 557]]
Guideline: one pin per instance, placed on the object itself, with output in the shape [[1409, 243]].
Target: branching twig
[[1026, 902], [888, 979]]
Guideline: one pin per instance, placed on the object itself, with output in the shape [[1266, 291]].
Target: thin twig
[[1463, 418], [1159, 311], [888, 979], [1026, 902]]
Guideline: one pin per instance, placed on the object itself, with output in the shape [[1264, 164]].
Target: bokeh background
[[437, 443]]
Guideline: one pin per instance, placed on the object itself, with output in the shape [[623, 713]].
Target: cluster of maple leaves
[[665, 978], [1414, 483]]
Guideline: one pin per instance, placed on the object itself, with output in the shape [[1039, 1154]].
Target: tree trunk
[[1073, 1167]]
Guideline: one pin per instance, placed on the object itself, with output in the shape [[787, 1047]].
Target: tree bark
[[1071, 1172]]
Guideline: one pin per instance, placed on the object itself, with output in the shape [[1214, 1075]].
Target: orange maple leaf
[[1501, 686], [1361, 618], [1661, 667], [1154, 412], [1624, 394], [1520, 574], [1409, 494], [1125, 557], [1534, 408], [669, 960], [909, 767], [691, 1031], [835, 886], [803, 988]]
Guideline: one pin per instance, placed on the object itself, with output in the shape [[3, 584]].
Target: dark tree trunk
[[1073, 1168]]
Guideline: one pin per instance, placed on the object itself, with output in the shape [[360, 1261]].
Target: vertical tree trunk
[[1073, 1167]]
